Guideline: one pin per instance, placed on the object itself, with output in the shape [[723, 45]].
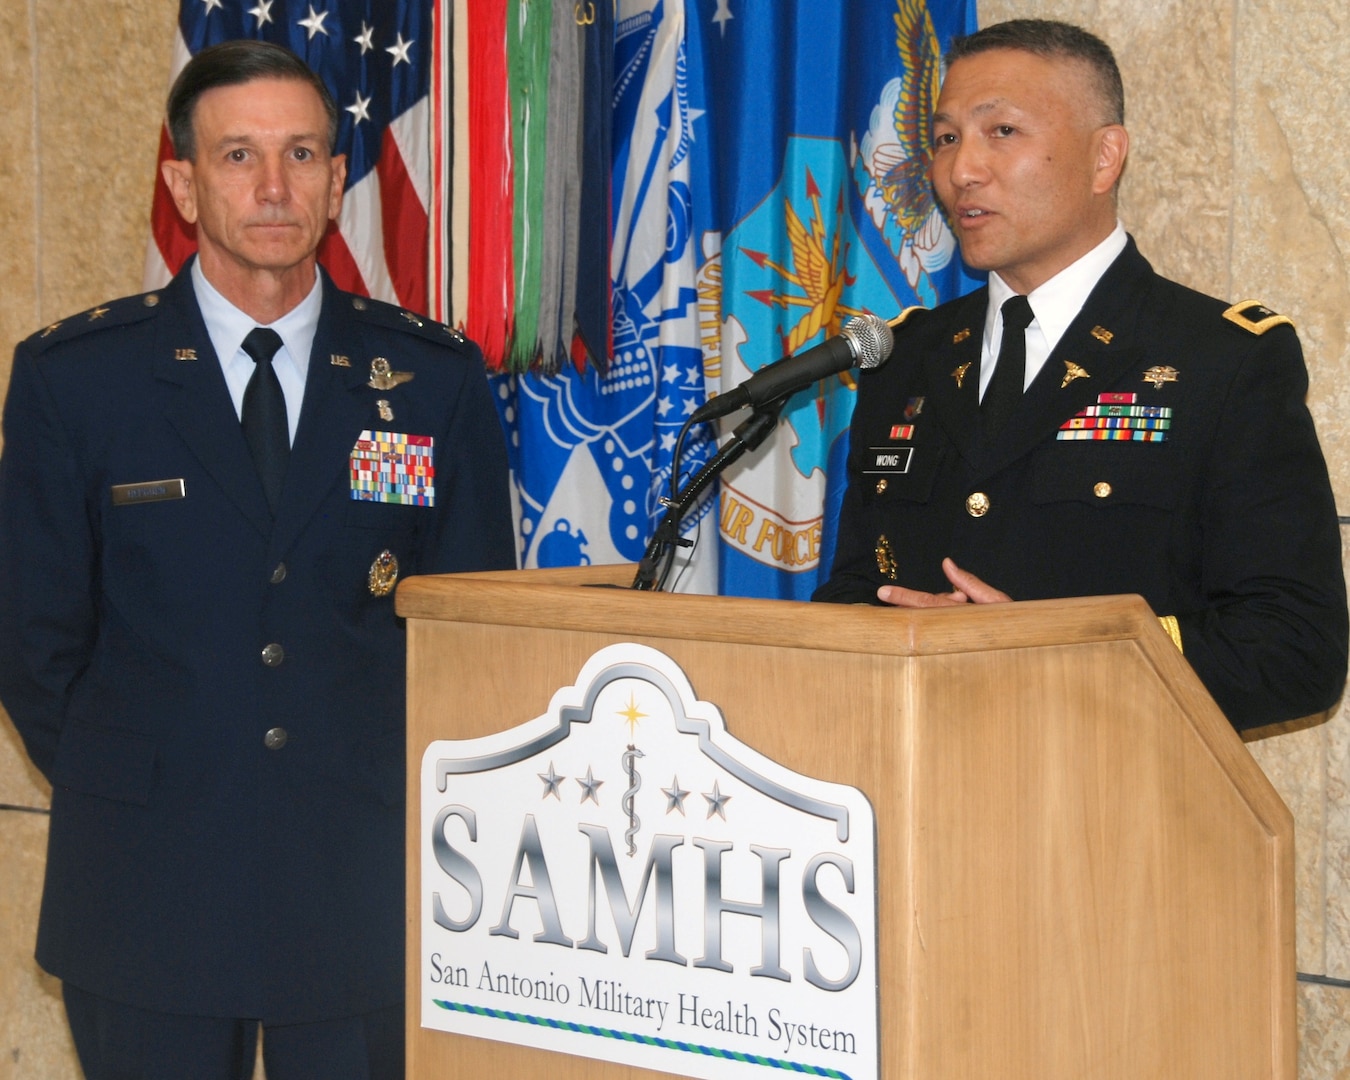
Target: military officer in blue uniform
[[1082, 426], [207, 496]]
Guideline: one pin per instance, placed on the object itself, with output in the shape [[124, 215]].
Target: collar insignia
[[1072, 371]]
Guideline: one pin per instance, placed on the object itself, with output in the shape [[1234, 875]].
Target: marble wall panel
[[1292, 234], [34, 1040], [18, 183], [100, 102], [1324, 1032]]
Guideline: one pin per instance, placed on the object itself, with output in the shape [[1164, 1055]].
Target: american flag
[[376, 57]]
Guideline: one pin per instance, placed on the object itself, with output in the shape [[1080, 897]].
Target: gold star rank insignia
[[1159, 374], [382, 378], [1254, 316], [97, 313], [1072, 371]]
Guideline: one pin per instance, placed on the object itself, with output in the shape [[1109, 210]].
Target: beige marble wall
[[1237, 182]]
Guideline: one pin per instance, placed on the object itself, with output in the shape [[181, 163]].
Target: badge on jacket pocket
[[391, 467]]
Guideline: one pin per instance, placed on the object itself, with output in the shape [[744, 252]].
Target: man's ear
[[1113, 145], [178, 179], [339, 182]]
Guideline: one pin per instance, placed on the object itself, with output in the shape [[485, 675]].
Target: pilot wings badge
[[382, 378]]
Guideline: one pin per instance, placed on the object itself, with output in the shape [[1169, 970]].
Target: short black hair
[[232, 63], [1053, 40]]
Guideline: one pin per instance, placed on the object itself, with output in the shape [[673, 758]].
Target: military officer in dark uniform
[[207, 496], [1082, 426]]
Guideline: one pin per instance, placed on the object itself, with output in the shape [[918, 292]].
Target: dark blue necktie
[[1004, 391], [264, 414]]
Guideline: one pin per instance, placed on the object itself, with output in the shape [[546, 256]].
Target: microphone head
[[871, 338]]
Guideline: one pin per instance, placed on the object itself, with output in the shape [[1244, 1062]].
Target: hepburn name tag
[[148, 491]]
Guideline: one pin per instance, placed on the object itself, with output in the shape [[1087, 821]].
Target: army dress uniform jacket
[[1216, 507], [217, 698]]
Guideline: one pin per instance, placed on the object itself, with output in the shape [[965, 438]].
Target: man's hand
[[966, 589]]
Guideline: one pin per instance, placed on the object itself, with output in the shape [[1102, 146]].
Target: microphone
[[865, 342]]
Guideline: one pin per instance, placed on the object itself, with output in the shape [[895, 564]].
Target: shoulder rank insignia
[[1254, 316], [1159, 374], [382, 378]]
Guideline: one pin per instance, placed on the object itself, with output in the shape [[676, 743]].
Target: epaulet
[[393, 317], [910, 314], [1254, 317], [124, 312]]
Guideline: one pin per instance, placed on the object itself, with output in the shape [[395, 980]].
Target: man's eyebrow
[[982, 109]]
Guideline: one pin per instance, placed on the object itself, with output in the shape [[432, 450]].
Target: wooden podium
[[1082, 872]]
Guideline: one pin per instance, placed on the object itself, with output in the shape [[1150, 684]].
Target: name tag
[[888, 459], [148, 491]]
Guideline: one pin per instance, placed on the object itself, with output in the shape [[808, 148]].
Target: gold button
[[977, 504], [1101, 489], [151, 299], [881, 485], [359, 303]]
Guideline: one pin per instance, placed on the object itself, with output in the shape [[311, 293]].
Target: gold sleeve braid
[[1169, 624]]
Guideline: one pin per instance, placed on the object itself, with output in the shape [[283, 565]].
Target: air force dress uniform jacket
[[218, 698], [1164, 449]]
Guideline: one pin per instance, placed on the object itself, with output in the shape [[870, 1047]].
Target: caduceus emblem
[[630, 757]]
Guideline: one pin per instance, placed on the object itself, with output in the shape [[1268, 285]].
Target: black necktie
[[264, 414], [1004, 391]]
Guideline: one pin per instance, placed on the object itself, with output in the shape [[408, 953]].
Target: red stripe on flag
[[174, 237], [404, 220], [491, 294], [336, 258]]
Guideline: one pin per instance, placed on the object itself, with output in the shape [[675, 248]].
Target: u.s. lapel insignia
[[386, 413], [961, 335], [338, 360], [1072, 371], [1159, 374], [885, 559], [383, 573], [382, 378], [1102, 334], [960, 374], [185, 355]]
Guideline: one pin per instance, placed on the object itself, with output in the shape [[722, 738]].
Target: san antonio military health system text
[[686, 1010]]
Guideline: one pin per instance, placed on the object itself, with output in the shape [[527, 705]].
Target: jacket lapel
[[953, 369], [334, 411], [1095, 351], [201, 410]]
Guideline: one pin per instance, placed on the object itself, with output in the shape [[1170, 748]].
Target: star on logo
[[675, 796], [551, 781], [716, 802], [399, 50], [723, 15], [664, 406], [262, 11], [631, 714], [360, 108], [365, 38], [313, 24], [210, 4], [590, 787]]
